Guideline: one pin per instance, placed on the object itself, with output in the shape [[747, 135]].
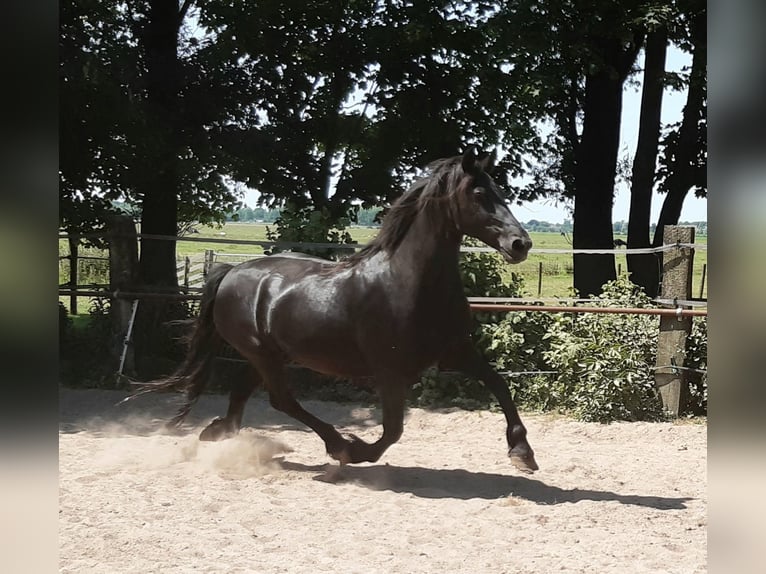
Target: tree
[[346, 97], [595, 157], [683, 159], [115, 135], [644, 268], [95, 110], [135, 107], [566, 64], [683, 162]]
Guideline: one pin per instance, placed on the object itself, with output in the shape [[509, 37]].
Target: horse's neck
[[429, 253]]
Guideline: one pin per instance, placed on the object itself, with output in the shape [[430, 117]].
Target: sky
[[694, 209]]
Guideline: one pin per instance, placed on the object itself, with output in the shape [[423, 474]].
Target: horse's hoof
[[215, 431], [353, 451], [525, 463], [343, 457]]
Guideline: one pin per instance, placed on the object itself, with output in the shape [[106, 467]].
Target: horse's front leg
[[469, 361]]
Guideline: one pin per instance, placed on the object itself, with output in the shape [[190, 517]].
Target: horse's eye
[[479, 191]]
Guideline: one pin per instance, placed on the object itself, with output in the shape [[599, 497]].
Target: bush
[[695, 400], [517, 345], [450, 389], [482, 274], [85, 349], [604, 361], [311, 226]]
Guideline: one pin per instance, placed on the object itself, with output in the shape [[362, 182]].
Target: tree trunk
[[159, 214], [160, 191], [644, 269], [596, 160], [682, 169]]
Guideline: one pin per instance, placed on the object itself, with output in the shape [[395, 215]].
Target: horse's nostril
[[521, 245]]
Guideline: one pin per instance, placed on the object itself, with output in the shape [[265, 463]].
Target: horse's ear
[[488, 163], [469, 160]]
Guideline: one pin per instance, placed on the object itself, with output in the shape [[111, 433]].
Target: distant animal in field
[[620, 243]]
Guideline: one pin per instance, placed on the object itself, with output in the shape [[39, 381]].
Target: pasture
[[607, 498], [556, 268]]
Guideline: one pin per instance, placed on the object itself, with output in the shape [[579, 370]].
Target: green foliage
[[85, 358], [448, 389], [517, 344], [482, 274], [695, 400], [306, 225], [604, 361], [110, 138]]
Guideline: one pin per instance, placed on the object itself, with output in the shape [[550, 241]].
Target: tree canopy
[[330, 106]]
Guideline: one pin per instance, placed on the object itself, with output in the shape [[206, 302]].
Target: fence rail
[[346, 246], [475, 303], [675, 305], [191, 274]]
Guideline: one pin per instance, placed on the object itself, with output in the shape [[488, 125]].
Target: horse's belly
[[323, 350], [334, 366]]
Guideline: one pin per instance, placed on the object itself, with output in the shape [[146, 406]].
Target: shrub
[[482, 274], [694, 402], [450, 389], [604, 361], [517, 345], [311, 226], [85, 350]]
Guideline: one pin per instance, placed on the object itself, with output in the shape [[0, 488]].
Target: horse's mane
[[440, 180]]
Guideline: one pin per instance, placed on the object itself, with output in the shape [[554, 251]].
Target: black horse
[[386, 312]]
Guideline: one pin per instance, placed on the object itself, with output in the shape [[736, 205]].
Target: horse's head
[[483, 213]]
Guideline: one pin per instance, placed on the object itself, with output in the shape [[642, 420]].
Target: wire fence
[[191, 287], [188, 291], [346, 246]]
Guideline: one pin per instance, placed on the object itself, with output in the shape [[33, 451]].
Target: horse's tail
[[204, 344]]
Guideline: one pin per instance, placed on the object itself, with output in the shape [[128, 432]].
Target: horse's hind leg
[[392, 397], [228, 426], [273, 373]]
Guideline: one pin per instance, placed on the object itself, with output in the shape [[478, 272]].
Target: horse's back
[[299, 306]]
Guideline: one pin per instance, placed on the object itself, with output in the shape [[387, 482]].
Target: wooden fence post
[[209, 260], [674, 331], [187, 266], [74, 243]]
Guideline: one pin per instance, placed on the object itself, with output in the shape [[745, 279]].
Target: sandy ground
[[608, 498]]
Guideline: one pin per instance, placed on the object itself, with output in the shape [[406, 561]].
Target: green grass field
[[556, 268]]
